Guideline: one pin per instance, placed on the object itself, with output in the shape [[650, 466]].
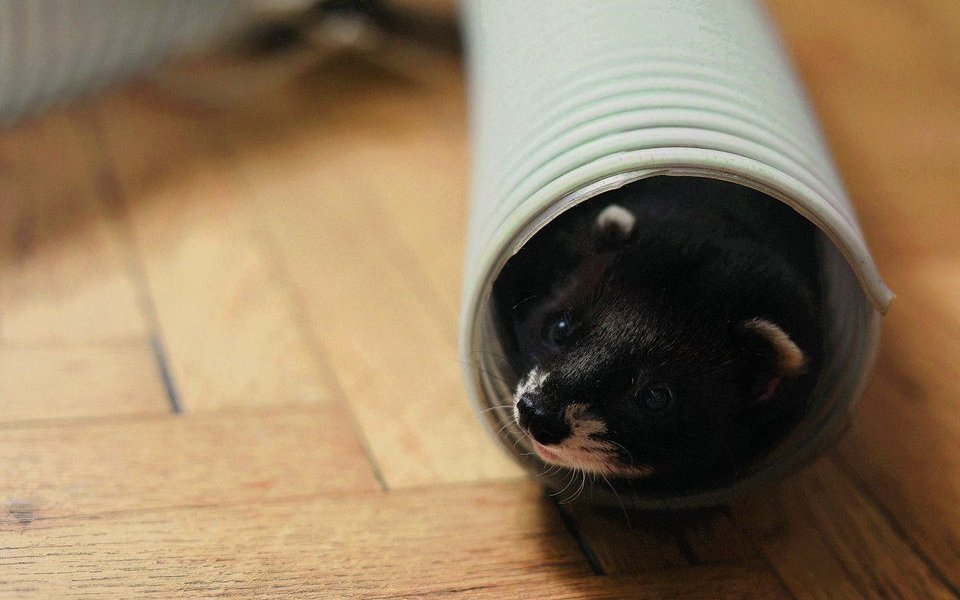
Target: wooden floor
[[228, 302]]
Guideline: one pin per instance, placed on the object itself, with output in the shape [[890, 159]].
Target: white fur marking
[[580, 451], [531, 383], [617, 218], [542, 377]]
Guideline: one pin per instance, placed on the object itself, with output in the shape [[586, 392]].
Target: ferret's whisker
[[521, 438], [573, 475], [624, 448], [503, 427], [499, 406], [490, 352], [578, 471], [487, 371], [525, 300], [583, 482], [616, 495], [547, 471]]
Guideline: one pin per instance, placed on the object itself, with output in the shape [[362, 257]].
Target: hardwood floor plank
[[903, 444], [338, 546], [383, 332], [416, 136], [226, 314], [201, 459], [64, 269], [637, 542], [83, 380], [304, 246], [621, 547], [688, 583], [825, 540], [364, 545]]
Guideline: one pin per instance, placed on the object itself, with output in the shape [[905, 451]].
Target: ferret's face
[[626, 383], [609, 395]]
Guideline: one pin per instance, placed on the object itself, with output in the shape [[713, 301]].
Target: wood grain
[[306, 546], [513, 543], [420, 156], [825, 540], [223, 308], [83, 380], [368, 301], [204, 459], [288, 230], [630, 542]]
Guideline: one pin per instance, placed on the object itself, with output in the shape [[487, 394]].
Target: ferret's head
[[636, 371]]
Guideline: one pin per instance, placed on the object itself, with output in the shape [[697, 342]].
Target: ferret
[[669, 330]]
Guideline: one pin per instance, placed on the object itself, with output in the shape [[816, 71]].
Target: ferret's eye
[[559, 330], [655, 398]]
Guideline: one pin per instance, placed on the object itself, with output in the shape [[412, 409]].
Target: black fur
[[667, 307]]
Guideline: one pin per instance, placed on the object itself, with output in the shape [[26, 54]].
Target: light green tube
[[570, 99]]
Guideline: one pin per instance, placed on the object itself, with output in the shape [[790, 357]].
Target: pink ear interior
[[771, 389], [790, 359]]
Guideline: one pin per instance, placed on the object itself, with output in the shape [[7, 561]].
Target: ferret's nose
[[544, 425]]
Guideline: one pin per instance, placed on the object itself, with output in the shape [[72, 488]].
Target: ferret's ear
[[769, 356], [613, 226]]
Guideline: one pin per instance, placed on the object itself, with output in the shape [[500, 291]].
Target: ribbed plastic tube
[[569, 99], [53, 50]]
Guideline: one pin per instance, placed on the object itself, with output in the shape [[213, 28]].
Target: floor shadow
[[58, 170]]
